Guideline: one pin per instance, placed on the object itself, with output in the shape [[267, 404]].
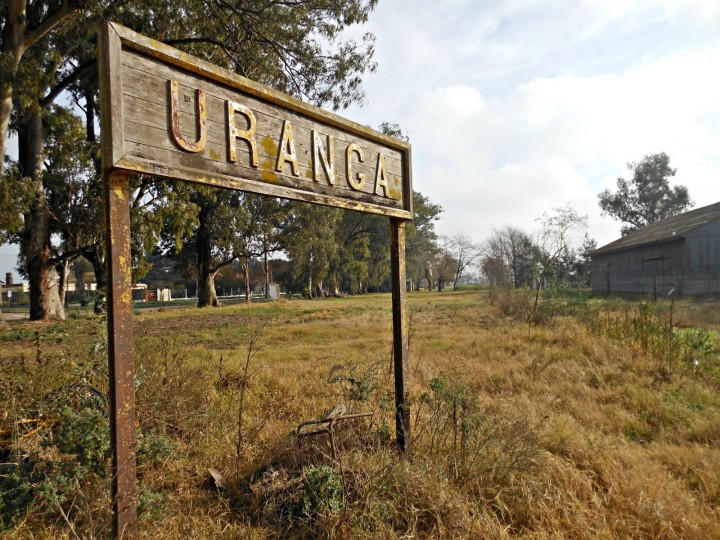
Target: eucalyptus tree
[[312, 247], [210, 243], [264, 231], [422, 240], [24, 24], [647, 197], [295, 47], [364, 252]]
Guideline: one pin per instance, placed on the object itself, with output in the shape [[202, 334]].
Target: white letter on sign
[[233, 132], [326, 159], [359, 182], [286, 150], [381, 177]]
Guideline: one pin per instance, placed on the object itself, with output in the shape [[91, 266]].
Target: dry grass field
[[599, 420]]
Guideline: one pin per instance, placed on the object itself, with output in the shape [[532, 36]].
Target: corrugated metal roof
[[664, 230]]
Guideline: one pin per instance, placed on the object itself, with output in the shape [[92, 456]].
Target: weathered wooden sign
[[176, 116], [168, 114]]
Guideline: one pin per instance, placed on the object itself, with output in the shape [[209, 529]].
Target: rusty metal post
[[121, 356], [400, 330]]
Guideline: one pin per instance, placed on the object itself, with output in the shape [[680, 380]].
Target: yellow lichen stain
[[268, 175], [309, 173], [119, 192], [395, 194], [214, 154], [269, 146]]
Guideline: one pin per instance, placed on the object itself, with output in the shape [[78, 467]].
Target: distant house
[[680, 254], [86, 283], [10, 290]]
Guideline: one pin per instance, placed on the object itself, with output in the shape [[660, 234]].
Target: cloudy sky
[[516, 107]]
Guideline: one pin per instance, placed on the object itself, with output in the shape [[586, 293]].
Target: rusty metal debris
[[329, 421]]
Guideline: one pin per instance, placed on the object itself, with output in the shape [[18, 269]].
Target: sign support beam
[[121, 356], [401, 329]]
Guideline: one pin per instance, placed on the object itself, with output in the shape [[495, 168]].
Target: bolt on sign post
[[168, 114]]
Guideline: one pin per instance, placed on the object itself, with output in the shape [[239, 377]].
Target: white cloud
[[515, 108]]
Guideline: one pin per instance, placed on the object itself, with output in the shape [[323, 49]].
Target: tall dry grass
[[544, 430]]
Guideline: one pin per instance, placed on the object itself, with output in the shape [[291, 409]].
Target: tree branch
[[65, 10], [79, 71]]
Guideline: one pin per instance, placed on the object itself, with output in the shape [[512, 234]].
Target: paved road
[[14, 316]]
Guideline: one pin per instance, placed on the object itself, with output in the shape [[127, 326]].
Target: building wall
[[703, 261], [645, 270], [689, 266]]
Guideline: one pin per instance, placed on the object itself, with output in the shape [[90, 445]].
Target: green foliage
[[55, 458], [312, 247], [559, 299], [356, 387], [15, 199], [694, 350], [482, 447], [16, 491], [152, 505], [75, 454], [647, 197], [154, 446], [83, 434], [322, 491]]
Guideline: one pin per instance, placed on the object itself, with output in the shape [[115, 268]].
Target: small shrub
[[16, 490], [561, 300], [151, 504], [483, 448], [513, 303], [322, 491], [355, 387], [83, 434], [154, 446]]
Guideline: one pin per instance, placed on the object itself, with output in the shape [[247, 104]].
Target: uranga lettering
[[242, 128]]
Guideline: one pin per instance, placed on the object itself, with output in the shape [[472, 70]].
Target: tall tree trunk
[[206, 290], [266, 271], [35, 244], [206, 273], [10, 56], [96, 256], [6, 106], [246, 274], [62, 270]]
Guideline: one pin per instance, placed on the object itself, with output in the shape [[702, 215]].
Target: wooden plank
[[110, 79], [146, 123], [270, 146], [174, 57], [146, 78]]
